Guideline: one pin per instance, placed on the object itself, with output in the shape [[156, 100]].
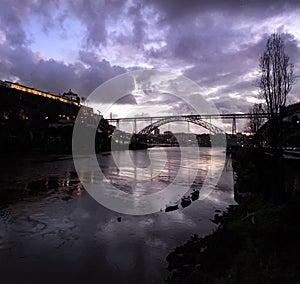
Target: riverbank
[[257, 241]]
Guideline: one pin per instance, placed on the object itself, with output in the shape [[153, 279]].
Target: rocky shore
[[257, 241]]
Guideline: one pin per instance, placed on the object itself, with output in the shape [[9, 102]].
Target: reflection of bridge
[[207, 121]]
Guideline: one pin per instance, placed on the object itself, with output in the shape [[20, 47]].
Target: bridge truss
[[201, 120], [193, 119]]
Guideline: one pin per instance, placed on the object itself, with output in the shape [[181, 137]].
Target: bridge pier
[[134, 126], [233, 131]]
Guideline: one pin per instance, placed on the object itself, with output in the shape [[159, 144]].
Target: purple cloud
[[215, 43]]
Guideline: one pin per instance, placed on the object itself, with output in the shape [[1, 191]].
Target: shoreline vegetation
[[257, 241]]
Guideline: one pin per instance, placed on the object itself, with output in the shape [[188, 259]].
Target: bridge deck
[[199, 116]]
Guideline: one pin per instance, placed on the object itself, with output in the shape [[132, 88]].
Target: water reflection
[[65, 187], [148, 171], [49, 225]]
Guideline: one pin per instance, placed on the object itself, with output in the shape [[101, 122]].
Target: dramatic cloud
[[22, 65], [62, 44], [127, 100]]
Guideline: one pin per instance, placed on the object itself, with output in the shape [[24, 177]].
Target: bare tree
[[275, 82], [256, 119]]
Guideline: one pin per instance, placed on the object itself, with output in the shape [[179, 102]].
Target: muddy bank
[[257, 241]]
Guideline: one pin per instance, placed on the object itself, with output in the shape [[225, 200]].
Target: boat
[[195, 194], [171, 207], [185, 201]]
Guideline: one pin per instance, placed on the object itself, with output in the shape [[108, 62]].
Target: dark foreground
[[257, 241], [260, 249]]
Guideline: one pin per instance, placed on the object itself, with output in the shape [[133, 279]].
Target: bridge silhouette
[[204, 120]]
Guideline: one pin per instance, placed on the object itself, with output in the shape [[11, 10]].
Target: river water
[[53, 231]]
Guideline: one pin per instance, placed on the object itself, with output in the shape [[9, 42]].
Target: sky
[[80, 44]]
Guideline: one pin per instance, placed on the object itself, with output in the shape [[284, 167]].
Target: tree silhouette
[[255, 120], [275, 82]]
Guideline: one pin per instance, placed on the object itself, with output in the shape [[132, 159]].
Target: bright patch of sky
[[60, 42]]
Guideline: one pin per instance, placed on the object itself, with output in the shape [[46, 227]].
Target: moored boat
[[171, 207], [195, 194], [185, 201]]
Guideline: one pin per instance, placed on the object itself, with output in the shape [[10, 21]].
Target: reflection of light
[[78, 189], [214, 199], [92, 177]]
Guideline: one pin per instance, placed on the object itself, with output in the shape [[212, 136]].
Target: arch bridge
[[193, 119], [202, 120]]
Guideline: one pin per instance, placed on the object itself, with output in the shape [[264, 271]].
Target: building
[[292, 113], [70, 96]]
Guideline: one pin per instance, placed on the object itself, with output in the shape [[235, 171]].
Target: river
[[53, 231]]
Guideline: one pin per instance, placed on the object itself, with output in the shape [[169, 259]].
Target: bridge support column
[[134, 126], [233, 132]]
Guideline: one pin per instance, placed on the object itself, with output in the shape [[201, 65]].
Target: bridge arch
[[193, 119]]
